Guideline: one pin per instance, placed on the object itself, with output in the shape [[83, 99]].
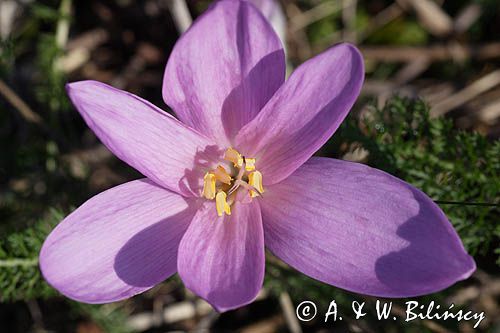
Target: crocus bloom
[[235, 175]]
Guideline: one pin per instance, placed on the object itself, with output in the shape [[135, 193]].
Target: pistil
[[216, 181]]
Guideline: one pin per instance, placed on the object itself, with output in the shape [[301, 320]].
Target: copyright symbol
[[306, 311]]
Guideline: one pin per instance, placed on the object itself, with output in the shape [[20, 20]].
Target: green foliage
[[400, 32], [45, 13], [6, 55], [111, 318], [50, 90], [20, 277], [447, 164], [322, 29]]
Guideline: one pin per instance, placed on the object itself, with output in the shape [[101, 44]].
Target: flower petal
[[273, 12], [224, 69], [303, 113], [363, 230], [117, 244], [222, 258], [147, 138]]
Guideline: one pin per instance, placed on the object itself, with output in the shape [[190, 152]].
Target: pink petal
[[117, 244], [222, 258], [272, 11], [145, 137], [303, 113], [363, 230], [224, 69]]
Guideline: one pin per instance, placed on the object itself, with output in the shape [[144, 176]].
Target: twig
[[9, 10], [384, 17], [62, 29], [180, 14], [432, 17], [80, 48], [411, 70], [490, 112], [289, 313], [299, 37], [466, 18], [325, 9], [465, 295], [25, 111], [476, 88], [61, 35], [89, 39], [388, 88], [433, 92], [349, 20], [93, 156], [145, 53], [36, 314], [433, 53], [175, 313], [206, 322]]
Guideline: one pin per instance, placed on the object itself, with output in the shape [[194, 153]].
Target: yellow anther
[[222, 175], [209, 185], [255, 180], [249, 164], [221, 204], [232, 155], [244, 176]]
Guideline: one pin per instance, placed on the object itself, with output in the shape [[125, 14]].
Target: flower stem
[[23, 262]]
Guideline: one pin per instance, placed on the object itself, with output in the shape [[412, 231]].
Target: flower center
[[238, 180]]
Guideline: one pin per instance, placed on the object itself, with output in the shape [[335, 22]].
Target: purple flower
[[236, 173]]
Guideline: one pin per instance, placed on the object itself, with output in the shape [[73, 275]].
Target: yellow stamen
[[227, 187], [209, 186], [250, 164], [232, 155], [222, 175], [221, 204], [255, 180]]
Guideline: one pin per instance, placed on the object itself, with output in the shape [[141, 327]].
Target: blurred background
[[429, 113]]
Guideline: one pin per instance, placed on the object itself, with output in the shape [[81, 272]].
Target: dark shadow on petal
[[150, 256], [433, 260], [204, 160], [245, 101], [262, 76], [245, 96]]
